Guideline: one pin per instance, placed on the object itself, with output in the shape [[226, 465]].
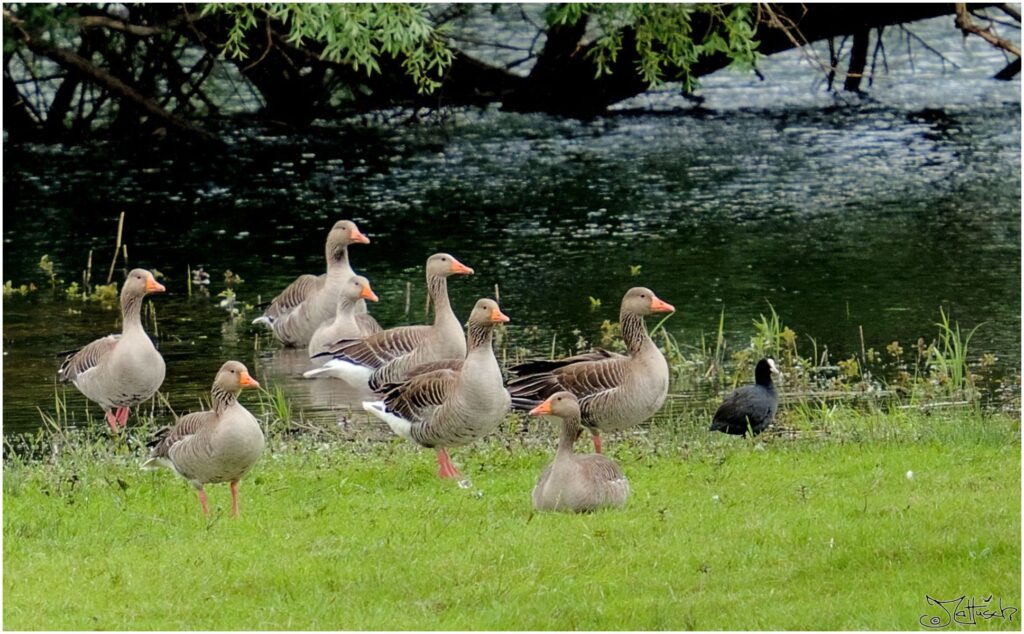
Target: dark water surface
[[863, 212]]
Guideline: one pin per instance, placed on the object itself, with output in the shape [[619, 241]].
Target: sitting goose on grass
[[615, 391], [219, 445], [348, 322], [453, 403], [750, 408], [387, 356], [573, 483], [120, 371], [296, 313]]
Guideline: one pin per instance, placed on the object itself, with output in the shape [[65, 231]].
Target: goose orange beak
[[460, 269], [359, 237], [247, 381], [659, 306], [542, 409], [367, 293], [153, 286], [498, 317]]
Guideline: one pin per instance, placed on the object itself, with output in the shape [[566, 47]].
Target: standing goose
[[219, 445], [120, 371], [387, 356], [348, 322], [454, 405], [752, 407], [614, 391], [310, 300], [574, 483]]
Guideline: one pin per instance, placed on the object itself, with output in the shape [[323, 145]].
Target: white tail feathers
[[355, 375], [156, 462], [263, 319], [397, 424]]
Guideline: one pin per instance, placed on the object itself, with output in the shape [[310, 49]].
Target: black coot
[[751, 406]]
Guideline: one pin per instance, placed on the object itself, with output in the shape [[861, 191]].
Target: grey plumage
[[219, 445], [347, 322], [614, 391], [387, 356], [120, 371], [576, 483], [296, 313], [446, 404]]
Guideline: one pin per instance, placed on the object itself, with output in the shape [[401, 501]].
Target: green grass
[[822, 531]]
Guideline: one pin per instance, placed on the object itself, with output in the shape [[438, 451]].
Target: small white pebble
[[910, 475], [715, 498]]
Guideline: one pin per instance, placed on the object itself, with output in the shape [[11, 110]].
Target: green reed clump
[[948, 359]]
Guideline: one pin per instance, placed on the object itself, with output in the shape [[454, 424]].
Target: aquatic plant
[[948, 359], [10, 290]]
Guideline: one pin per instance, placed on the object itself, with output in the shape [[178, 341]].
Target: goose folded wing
[[86, 358], [379, 349], [591, 382], [537, 366], [420, 394], [293, 295], [164, 438]]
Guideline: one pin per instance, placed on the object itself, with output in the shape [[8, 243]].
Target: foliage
[[664, 35], [354, 34], [10, 289]]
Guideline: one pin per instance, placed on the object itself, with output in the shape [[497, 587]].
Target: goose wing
[[415, 398], [296, 293], [87, 357], [380, 349]]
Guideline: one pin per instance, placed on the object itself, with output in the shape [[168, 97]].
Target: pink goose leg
[[445, 467], [202, 501], [234, 498], [122, 416], [597, 442], [112, 421]]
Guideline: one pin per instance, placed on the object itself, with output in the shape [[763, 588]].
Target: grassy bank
[[816, 531]]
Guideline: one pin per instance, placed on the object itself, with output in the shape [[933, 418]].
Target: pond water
[[841, 212]]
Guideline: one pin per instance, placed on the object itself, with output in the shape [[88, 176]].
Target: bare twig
[[928, 47], [117, 249]]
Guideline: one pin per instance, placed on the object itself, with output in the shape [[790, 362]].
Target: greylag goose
[[387, 356], [455, 404], [219, 445], [577, 484], [310, 300], [120, 371], [348, 322], [750, 408], [615, 391]]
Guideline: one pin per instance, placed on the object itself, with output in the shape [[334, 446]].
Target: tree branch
[[78, 65], [967, 25]]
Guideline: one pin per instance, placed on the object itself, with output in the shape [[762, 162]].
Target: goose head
[[344, 233], [560, 405], [358, 288], [487, 314], [141, 282], [643, 301], [233, 377], [443, 265]]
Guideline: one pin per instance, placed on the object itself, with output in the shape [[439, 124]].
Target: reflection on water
[[865, 214]]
